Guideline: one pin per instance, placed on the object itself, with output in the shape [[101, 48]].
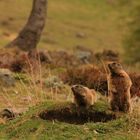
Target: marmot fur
[[83, 96], [119, 84]]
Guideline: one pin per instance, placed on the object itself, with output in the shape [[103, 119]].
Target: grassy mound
[[31, 126]]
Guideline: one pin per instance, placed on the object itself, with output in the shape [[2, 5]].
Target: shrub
[[89, 76], [135, 89], [95, 78]]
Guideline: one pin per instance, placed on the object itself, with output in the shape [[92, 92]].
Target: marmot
[[83, 96], [119, 84]]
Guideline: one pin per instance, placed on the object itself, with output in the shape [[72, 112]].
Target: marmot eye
[[118, 64], [113, 63], [77, 86]]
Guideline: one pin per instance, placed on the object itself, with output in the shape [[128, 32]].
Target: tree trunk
[[29, 36]]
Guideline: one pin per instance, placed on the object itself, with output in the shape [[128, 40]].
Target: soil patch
[[73, 115]]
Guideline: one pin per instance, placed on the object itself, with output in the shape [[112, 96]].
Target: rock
[[95, 132], [6, 34], [108, 55], [27, 99], [11, 113], [7, 114], [17, 65], [84, 54], [43, 55], [5, 23], [80, 35], [6, 77]]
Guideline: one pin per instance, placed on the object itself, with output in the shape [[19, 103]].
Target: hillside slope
[[100, 23]]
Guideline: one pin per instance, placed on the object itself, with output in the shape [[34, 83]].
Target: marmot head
[[78, 90], [115, 68]]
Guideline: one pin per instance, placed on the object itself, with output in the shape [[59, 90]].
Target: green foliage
[[54, 82], [22, 77]]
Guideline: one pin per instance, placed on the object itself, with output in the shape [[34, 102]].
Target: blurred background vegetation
[[95, 24]]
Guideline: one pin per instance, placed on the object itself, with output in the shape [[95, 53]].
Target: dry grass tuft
[[94, 77], [135, 89]]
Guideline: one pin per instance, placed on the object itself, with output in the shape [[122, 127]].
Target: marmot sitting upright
[[119, 84], [83, 96]]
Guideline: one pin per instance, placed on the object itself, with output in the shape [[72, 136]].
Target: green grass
[[99, 20], [29, 126]]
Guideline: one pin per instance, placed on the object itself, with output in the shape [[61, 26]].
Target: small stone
[[84, 54], [95, 132], [27, 99], [7, 114], [11, 113], [80, 35], [6, 77]]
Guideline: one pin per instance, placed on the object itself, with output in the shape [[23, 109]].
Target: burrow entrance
[[74, 115]]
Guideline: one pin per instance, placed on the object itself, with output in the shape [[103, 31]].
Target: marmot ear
[[109, 65], [72, 88]]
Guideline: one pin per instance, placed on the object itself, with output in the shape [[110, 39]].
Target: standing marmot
[[83, 96], [119, 84]]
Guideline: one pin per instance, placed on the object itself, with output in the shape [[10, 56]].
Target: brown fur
[[119, 84], [83, 96]]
